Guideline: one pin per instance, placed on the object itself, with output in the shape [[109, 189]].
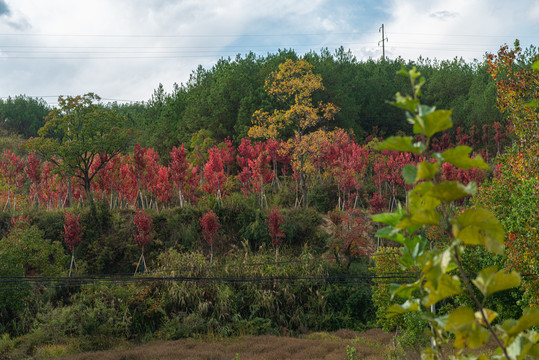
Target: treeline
[[219, 102], [23, 115]]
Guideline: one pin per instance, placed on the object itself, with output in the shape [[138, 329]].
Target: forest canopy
[[221, 100]]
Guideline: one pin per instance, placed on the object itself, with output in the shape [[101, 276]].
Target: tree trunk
[[303, 186], [180, 197], [69, 193], [89, 197]]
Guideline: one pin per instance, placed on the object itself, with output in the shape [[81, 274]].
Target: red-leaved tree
[[72, 235], [214, 174], [275, 221], [33, 172], [353, 229], [210, 226], [178, 170], [262, 174], [163, 185], [11, 168], [143, 223]]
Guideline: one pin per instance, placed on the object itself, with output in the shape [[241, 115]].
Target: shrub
[[300, 226], [7, 344], [349, 305], [230, 307], [182, 326], [25, 252], [323, 197], [256, 231]]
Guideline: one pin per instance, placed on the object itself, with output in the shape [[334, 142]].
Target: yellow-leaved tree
[[293, 86]]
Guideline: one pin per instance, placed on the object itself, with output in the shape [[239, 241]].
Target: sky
[[123, 49]]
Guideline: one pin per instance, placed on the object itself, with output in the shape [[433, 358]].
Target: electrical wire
[[23, 283], [195, 36], [18, 283]]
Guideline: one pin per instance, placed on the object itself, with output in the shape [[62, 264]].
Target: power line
[[116, 53], [261, 35], [207, 56], [13, 283], [23, 283], [469, 35], [182, 36], [234, 46]]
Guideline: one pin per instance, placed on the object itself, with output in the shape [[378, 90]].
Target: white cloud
[[443, 14], [460, 28], [187, 33], [179, 28]]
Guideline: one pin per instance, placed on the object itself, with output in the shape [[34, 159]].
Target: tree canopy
[[23, 115], [77, 134]]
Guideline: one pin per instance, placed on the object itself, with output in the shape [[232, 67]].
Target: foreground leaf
[[446, 286], [489, 314], [448, 191], [391, 219], [479, 227], [408, 306], [426, 170], [489, 280], [460, 157], [401, 143], [409, 173], [524, 346], [404, 290], [529, 319], [433, 122], [467, 330]]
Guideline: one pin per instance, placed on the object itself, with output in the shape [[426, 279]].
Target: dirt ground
[[372, 344]]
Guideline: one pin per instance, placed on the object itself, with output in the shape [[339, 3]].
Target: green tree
[[25, 252], [78, 134], [162, 117], [23, 115]]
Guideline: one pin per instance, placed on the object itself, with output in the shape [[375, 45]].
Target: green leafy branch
[[441, 272]]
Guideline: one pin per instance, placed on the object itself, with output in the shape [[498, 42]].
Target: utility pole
[[383, 41]]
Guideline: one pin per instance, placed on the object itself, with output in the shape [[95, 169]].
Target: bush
[[300, 226], [256, 326], [349, 306], [177, 228], [5, 223], [413, 335], [255, 232], [323, 197], [51, 222], [283, 197], [99, 314], [26, 252], [7, 344], [230, 307], [183, 326]]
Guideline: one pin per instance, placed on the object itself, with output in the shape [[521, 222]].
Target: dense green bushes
[[248, 291], [242, 293], [25, 252]]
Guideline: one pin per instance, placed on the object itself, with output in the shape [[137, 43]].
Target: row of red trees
[[143, 223], [139, 179]]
